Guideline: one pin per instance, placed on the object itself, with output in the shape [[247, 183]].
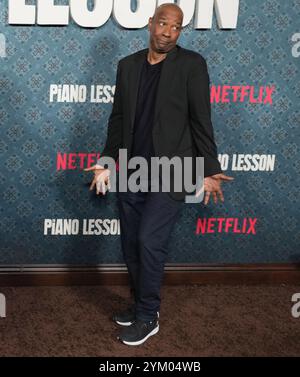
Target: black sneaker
[[139, 332], [126, 317]]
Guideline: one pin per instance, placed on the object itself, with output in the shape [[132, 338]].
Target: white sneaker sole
[[129, 323], [153, 332], [124, 323]]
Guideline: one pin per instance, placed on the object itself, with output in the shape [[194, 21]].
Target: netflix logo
[[242, 93], [246, 225], [71, 161]]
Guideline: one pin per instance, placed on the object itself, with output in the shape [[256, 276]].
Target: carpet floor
[[206, 320]]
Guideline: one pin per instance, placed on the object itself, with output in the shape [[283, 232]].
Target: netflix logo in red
[[246, 225], [242, 93], [72, 161]]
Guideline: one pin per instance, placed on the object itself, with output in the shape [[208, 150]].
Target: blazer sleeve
[[115, 123], [200, 117]]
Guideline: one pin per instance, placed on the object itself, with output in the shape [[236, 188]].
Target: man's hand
[[101, 179], [212, 186]]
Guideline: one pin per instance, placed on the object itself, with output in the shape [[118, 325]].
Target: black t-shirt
[[142, 137]]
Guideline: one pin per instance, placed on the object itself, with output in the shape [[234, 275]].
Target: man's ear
[[150, 23]]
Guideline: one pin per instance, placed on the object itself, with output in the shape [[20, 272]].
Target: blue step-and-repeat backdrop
[[57, 83]]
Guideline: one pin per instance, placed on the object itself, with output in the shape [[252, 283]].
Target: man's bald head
[[168, 7], [165, 27]]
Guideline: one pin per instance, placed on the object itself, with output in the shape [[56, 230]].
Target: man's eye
[[161, 23]]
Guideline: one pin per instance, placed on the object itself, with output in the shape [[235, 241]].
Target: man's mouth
[[163, 42]]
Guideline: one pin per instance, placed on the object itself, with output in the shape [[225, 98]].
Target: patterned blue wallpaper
[[34, 130]]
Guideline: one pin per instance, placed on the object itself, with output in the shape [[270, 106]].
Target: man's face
[[165, 28]]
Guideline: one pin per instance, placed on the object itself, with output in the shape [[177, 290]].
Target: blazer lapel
[[134, 79]]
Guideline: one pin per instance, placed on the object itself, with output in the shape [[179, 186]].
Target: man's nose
[[167, 31]]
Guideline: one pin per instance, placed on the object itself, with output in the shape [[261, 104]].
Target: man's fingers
[[101, 185], [93, 184], [94, 167], [226, 177], [103, 188], [221, 195], [215, 197], [90, 168], [207, 196]]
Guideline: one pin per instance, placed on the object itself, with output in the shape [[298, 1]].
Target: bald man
[[161, 108]]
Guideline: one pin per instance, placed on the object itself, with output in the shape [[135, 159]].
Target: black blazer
[[182, 118]]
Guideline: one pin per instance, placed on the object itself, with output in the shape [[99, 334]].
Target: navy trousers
[[146, 221]]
